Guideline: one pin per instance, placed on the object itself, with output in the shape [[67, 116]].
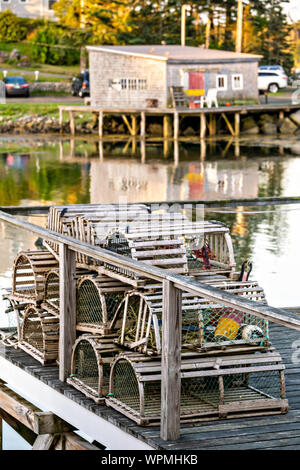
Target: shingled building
[[142, 76]]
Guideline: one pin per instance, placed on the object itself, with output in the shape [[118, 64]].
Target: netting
[[94, 305], [227, 325], [52, 290], [206, 392], [86, 366], [32, 332], [89, 369], [125, 385]]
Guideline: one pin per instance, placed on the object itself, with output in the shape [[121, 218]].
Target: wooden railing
[[173, 286]]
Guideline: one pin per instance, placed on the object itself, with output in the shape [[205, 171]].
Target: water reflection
[[77, 171]]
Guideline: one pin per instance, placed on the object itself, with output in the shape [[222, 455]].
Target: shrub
[[12, 28], [46, 39]]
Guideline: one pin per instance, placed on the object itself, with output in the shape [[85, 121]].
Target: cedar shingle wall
[[247, 69], [105, 66]]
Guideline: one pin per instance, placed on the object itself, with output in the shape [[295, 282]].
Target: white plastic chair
[[210, 98]]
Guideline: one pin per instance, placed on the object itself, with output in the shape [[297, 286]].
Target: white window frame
[[132, 84], [224, 88], [241, 83]]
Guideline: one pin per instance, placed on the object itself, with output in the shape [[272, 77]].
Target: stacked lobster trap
[[229, 367]]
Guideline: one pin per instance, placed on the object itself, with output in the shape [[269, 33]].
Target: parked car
[[272, 68], [271, 81], [294, 80], [16, 86], [81, 84]]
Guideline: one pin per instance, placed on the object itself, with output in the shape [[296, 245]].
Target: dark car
[[81, 84], [16, 86]]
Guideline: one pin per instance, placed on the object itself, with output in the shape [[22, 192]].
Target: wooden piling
[[100, 124], [143, 124], [176, 125], [67, 323], [212, 125], [167, 126], [72, 122], [133, 125], [202, 125], [237, 124], [61, 119], [171, 362]]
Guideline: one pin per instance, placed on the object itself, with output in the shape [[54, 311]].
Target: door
[[196, 84]]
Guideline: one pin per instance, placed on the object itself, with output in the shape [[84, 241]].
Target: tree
[[109, 21]]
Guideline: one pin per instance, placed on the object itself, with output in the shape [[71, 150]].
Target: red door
[[196, 80]]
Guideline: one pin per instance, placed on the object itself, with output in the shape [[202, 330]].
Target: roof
[[175, 54]]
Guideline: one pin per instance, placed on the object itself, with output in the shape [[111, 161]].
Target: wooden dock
[[135, 119], [101, 423], [117, 432]]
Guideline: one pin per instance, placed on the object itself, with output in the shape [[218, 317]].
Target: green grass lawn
[[16, 110], [25, 50]]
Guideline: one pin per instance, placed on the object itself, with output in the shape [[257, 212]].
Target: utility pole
[[184, 8], [239, 27]]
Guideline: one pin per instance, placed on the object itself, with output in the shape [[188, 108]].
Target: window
[[127, 83], [237, 82], [221, 82]]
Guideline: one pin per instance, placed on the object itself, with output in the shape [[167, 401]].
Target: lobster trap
[[98, 298], [90, 366], [29, 274], [211, 388], [39, 335], [205, 324], [163, 252], [78, 221]]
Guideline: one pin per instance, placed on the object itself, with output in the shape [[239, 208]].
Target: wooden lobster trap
[[90, 368], [29, 273], [205, 324], [153, 249], [97, 300], [211, 388], [60, 219], [39, 335]]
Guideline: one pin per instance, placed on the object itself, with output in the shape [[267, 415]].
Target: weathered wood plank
[[67, 292], [171, 361]]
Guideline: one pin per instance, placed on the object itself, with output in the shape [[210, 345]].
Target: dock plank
[[274, 432]]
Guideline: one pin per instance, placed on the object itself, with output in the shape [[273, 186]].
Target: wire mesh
[[228, 325], [86, 365], [32, 330], [89, 304], [52, 290], [94, 305], [125, 385]]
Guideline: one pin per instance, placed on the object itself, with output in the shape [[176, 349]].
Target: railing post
[[171, 362], [67, 320]]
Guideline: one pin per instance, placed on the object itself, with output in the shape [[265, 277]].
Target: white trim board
[[94, 426]]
